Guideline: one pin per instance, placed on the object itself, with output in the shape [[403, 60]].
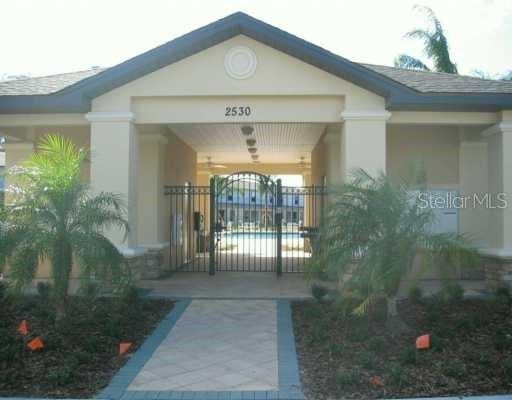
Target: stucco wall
[[201, 78], [318, 163], [436, 146]]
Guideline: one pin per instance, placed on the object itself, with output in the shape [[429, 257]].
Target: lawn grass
[[349, 357], [80, 353]]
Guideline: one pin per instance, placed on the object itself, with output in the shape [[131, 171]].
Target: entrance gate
[[243, 222]]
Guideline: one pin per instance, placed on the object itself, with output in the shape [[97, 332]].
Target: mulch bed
[[470, 353], [80, 353]]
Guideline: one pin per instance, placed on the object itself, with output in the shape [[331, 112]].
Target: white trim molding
[[121, 116], [501, 127], [365, 115]]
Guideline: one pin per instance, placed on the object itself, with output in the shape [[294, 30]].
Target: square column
[[114, 167], [499, 145], [153, 208], [363, 142]]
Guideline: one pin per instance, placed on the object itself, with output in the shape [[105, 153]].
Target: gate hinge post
[[279, 228], [211, 269]]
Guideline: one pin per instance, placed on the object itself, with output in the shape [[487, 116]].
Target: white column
[[152, 207], [363, 143], [499, 144], [333, 168], [114, 167], [473, 171]]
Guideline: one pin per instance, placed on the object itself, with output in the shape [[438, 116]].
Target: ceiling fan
[[211, 165], [303, 164]]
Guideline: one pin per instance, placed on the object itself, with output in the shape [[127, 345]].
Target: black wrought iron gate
[[243, 222]]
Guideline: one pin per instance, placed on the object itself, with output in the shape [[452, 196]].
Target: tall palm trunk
[[62, 264]]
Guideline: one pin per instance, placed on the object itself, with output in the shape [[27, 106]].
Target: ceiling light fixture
[[255, 156], [252, 150], [250, 142], [247, 130]]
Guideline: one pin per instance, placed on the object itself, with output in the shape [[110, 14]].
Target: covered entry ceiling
[[276, 143]]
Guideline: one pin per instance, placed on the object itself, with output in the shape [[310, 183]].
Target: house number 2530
[[237, 111]]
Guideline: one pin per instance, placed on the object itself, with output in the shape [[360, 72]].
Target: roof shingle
[[439, 82], [44, 84], [421, 81]]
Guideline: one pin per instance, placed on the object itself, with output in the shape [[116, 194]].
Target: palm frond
[[409, 62], [373, 229]]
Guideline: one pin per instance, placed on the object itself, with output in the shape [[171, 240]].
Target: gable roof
[[403, 89]]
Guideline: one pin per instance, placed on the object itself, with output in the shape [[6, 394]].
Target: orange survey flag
[[23, 328], [376, 381], [35, 344], [124, 347], [423, 342]]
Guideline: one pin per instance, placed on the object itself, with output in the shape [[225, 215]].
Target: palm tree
[[372, 233], [54, 217], [435, 47]]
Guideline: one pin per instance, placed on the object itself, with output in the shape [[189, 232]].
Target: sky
[[53, 36]]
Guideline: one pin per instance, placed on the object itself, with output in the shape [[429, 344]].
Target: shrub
[[112, 328], [130, 294], [507, 368], [408, 356], [90, 290], [317, 335], [358, 333], [313, 311], [502, 340], [91, 344], [485, 360], [60, 376], [467, 324], [335, 348], [347, 376], [3, 291], [319, 291], [454, 368], [503, 297], [10, 346], [415, 295], [398, 376], [44, 291], [454, 292], [436, 343], [376, 343], [367, 359], [83, 357]]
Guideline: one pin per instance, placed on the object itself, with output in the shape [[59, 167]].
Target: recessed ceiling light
[[252, 150], [247, 130], [250, 142]]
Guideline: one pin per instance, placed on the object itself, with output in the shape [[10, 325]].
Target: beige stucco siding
[[203, 75], [318, 163], [435, 146]]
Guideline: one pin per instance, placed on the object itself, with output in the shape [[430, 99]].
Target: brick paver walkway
[[216, 345]]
